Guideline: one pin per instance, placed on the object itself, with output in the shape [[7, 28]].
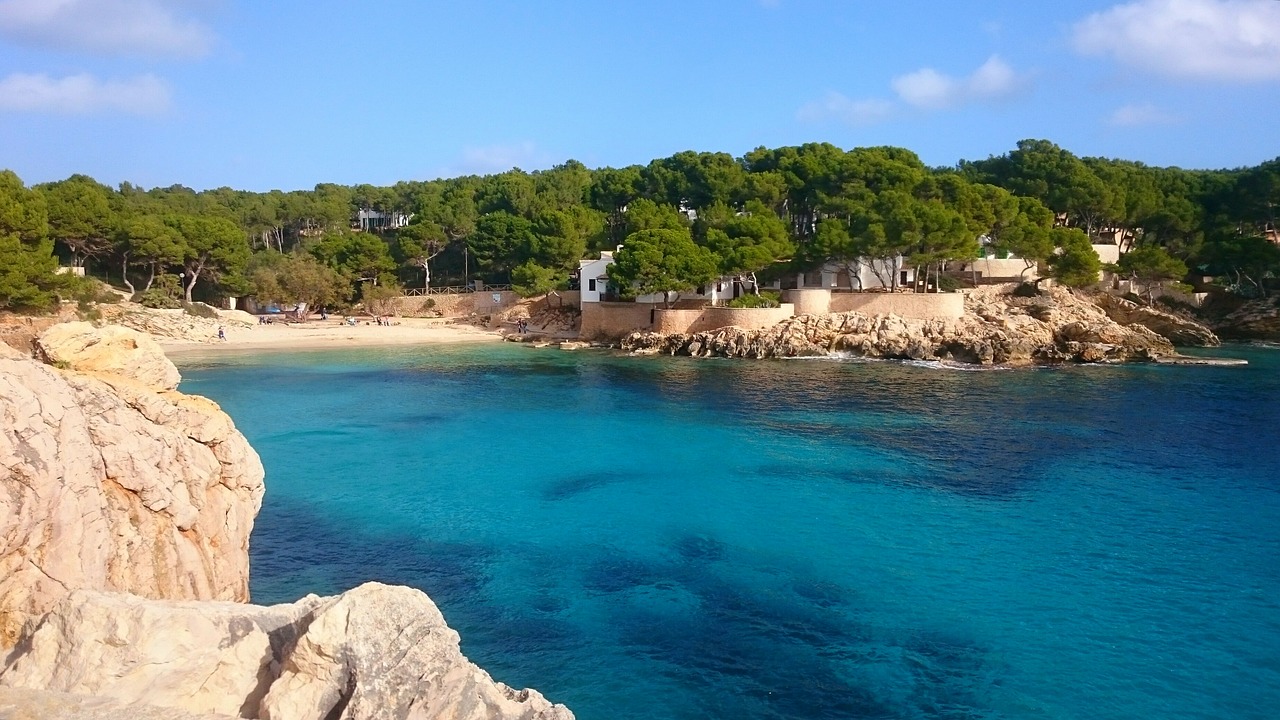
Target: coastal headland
[[999, 326]]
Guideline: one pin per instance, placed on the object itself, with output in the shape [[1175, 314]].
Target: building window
[[813, 278], [591, 285]]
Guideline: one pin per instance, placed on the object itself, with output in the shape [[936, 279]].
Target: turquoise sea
[[675, 538]]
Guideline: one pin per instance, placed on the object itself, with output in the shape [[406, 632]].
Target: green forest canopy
[[789, 207]]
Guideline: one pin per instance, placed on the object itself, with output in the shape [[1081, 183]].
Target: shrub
[[88, 311], [380, 299], [200, 310], [765, 299], [86, 291], [949, 283], [1026, 290], [157, 299]]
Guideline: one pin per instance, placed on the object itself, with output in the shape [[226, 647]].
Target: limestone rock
[[998, 328], [1178, 330], [25, 704], [1253, 320], [107, 483], [112, 480], [373, 652], [111, 350], [180, 325]]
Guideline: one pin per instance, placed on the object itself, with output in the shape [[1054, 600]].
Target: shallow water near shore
[[676, 538]]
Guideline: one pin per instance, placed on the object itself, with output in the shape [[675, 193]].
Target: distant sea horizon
[[678, 538]]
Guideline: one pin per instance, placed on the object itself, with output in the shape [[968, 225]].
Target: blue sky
[[261, 95]]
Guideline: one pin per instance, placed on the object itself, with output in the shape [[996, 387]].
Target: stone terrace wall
[[454, 305], [809, 301], [564, 298], [614, 320], [491, 301], [459, 305], [924, 306], [606, 321], [714, 318]]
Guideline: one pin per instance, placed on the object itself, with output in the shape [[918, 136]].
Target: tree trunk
[[150, 277], [194, 274], [124, 273]]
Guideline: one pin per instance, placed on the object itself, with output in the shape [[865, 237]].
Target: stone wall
[[1107, 253], [459, 305], [606, 321], [809, 301], [564, 298], [714, 318], [1008, 268], [925, 306], [492, 301], [602, 321]]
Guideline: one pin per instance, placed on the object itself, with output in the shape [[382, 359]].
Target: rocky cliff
[[111, 480], [1177, 329], [1254, 320], [999, 327]]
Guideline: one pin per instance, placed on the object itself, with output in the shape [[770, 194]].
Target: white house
[[1000, 265], [848, 276], [373, 220], [593, 280], [593, 283]]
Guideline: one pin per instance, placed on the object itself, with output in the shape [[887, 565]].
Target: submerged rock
[[998, 328], [373, 652]]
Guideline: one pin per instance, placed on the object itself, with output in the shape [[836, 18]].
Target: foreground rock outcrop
[[373, 652], [998, 328], [112, 480], [1178, 330]]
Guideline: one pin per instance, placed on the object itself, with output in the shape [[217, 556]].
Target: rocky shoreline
[[125, 514], [999, 327]]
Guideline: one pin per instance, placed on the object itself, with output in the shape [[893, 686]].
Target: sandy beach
[[333, 334]]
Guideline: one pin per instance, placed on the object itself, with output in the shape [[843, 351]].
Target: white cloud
[[924, 89], [1140, 115], [1236, 40], [112, 27], [499, 158], [854, 112], [83, 94], [929, 89]]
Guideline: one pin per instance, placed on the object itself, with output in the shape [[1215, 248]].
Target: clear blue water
[[673, 538]]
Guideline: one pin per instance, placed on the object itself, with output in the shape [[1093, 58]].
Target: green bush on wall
[[766, 299]]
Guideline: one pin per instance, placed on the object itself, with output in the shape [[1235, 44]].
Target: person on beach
[[222, 334]]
